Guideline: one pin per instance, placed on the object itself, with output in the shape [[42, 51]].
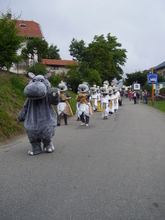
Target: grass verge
[[159, 105]]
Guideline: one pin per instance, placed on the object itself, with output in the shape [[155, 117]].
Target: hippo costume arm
[[22, 113]]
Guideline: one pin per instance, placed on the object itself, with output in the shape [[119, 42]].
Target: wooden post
[[152, 89]]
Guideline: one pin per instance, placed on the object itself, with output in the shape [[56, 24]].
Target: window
[[22, 25], [54, 67]]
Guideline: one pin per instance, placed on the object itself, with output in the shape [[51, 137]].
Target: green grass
[[12, 99], [160, 105], [72, 101]]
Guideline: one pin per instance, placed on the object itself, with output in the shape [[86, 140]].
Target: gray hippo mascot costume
[[39, 117]]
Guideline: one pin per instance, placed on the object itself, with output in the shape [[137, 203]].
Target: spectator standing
[[137, 96], [130, 95], [134, 97], [146, 96], [142, 96]]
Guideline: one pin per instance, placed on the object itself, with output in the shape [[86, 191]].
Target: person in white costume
[[77, 109], [106, 83], [111, 102], [98, 100], [116, 99], [104, 102], [94, 98], [63, 107], [84, 110]]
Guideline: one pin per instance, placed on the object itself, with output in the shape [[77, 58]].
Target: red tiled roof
[[29, 28], [53, 62]]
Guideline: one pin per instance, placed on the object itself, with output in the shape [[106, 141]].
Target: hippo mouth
[[35, 91], [37, 97]]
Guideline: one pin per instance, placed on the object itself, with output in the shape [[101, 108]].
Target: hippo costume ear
[[48, 75], [31, 75]]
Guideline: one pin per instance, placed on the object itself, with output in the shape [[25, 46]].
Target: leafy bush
[[147, 87], [55, 80], [37, 68]]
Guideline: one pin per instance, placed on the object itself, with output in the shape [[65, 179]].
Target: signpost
[[136, 86], [157, 91], [157, 86], [152, 79]]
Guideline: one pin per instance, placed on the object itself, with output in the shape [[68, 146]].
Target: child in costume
[[116, 99], [99, 100], [77, 109], [111, 101], [63, 108], [94, 98], [84, 99], [104, 102]]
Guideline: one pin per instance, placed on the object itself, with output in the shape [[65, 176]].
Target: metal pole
[[152, 89]]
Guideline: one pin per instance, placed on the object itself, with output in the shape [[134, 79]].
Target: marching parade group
[[40, 118], [104, 99]]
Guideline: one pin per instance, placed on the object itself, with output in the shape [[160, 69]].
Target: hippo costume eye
[[33, 80]]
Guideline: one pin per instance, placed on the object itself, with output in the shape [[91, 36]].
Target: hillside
[[12, 99]]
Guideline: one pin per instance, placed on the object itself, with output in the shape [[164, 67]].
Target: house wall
[[161, 71], [57, 70], [20, 69]]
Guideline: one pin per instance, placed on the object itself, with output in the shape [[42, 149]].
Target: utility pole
[[152, 89]]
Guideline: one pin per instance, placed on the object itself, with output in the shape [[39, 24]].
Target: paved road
[[113, 169]]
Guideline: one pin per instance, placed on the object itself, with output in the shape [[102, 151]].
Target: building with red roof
[[31, 29], [58, 66]]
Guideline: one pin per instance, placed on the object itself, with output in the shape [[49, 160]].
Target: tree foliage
[[35, 46], [37, 68], [10, 42], [72, 77], [103, 55], [94, 78], [77, 49], [53, 52], [138, 76], [40, 47]]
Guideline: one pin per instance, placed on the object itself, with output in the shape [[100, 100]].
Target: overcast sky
[[139, 25]]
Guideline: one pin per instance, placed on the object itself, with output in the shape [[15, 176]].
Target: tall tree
[[138, 76], [100, 58], [36, 46], [103, 55], [77, 49], [94, 78], [118, 55], [53, 52], [10, 42], [73, 78]]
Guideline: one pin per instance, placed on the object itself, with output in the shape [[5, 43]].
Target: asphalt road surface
[[113, 169]]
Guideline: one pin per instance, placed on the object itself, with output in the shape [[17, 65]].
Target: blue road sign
[[152, 78]]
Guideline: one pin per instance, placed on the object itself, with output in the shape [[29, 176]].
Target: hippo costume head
[[38, 86], [38, 115]]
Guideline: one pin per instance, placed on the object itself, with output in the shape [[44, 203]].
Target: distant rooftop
[[54, 62], [159, 66], [30, 29]]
